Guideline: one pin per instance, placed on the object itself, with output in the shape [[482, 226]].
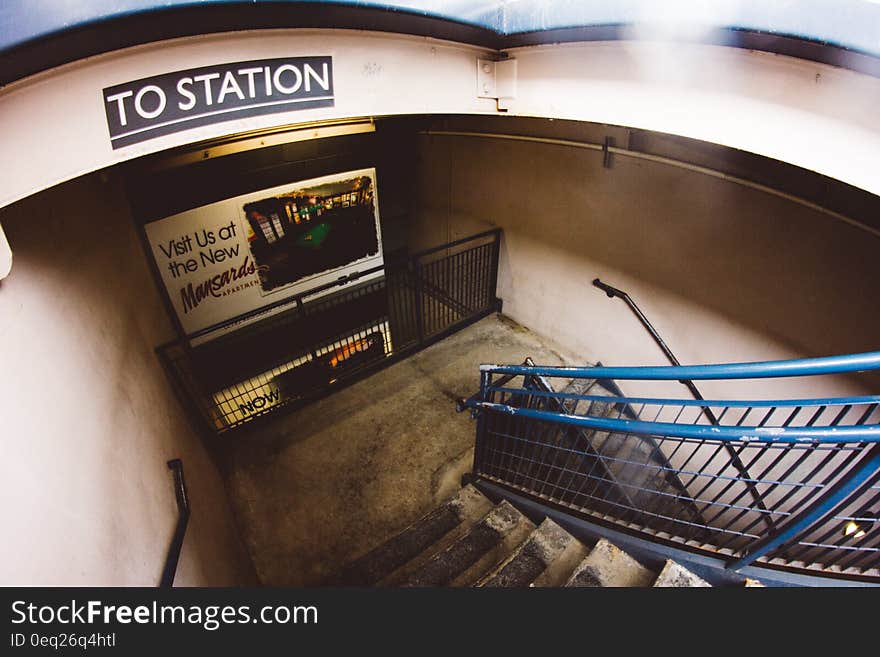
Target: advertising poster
[[225, 259]]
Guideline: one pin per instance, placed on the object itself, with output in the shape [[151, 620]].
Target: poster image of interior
[[296, 235]]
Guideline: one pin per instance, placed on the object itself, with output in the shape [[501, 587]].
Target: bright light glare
[[852, 528]]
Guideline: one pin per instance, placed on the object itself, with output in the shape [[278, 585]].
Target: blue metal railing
[[792, 483], [761, 370]]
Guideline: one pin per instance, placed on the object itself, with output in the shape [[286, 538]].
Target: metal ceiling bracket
[[607, 157], [496, 80]]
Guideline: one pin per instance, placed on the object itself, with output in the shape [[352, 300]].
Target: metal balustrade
[[787, 483], [326, 338]]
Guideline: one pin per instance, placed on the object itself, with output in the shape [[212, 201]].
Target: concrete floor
[[320, 486]]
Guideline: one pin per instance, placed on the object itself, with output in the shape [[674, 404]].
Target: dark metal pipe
[[495, 232], [734, 457], [614, 292], [168, 573]]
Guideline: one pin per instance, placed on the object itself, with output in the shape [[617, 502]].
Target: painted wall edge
[[830, 193], [107, 35], [5, 255]]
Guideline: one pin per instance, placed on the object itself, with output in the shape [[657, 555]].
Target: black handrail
[[170, 570], [458, 242], [734, 457], [614, 292], [291, 301]]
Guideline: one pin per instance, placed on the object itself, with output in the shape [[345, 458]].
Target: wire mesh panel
[[714, 476], [848, 541], [315, 344]]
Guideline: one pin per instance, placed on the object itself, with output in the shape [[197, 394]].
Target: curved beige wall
[[55, 127], [5, 255], [812, 115], [727, 273], [89, 418], [815, 116]]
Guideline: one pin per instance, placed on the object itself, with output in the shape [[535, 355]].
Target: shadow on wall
[[89, 418], [783, 270]]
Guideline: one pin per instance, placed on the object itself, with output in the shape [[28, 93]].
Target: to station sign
[[168, 103]]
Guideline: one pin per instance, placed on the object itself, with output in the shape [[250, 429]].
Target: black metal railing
[[287, 354], [180, 494], [658, 468], [612, 292]]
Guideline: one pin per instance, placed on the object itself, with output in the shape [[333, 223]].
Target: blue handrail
[[657, 401], [815, 462], [830, 434], [722, 371]]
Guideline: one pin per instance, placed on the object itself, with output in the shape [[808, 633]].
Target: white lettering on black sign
[[168, 103]]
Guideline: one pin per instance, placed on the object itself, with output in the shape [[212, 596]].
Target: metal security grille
[[790, 483], [318, 343]]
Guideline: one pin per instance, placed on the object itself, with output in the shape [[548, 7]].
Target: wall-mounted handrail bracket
[[607, 157]]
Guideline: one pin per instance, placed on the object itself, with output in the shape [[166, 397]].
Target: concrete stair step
[[634, 463], [486, 544], [469, 542], [674, 575], [388, 561], [584, 387], [609, 566], [546, 558]]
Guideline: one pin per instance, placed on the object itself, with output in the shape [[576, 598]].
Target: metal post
[[493, 283], [302, 314], [420, 319]]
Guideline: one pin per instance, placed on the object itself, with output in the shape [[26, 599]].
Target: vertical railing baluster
[[301, 310], [420, 319], [831, 499], [493, 280]]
